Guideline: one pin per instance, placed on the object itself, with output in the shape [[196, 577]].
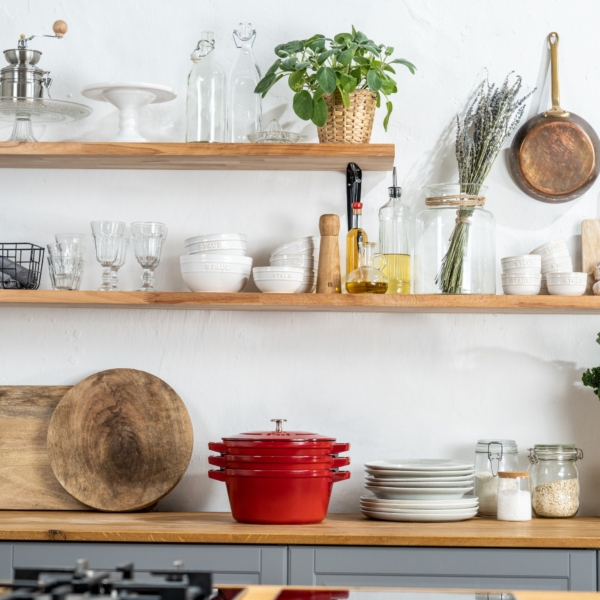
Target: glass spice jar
[[514, 496], [554, 480], [492, 457], [455, 242]]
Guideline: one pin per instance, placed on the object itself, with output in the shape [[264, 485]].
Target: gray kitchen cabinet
[[244, 564], [481, 568]]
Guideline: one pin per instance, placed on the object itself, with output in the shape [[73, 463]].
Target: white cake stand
[[129, 98]]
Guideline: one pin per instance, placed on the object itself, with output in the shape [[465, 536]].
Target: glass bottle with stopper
[[355, 237], [394, 240], [206, 110], [367, 278], [244, 106], [25, 90]]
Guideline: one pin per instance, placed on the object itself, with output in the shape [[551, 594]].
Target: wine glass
[[148, 239], [107, 237], [121, 258]]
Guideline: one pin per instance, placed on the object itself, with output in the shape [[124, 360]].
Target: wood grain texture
[[120, 440], [174, 156], [336, 530], [425, 303], [328, 276], [26, 478], [590, 249]]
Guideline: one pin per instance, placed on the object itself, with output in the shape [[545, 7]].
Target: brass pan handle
[[556, 110]]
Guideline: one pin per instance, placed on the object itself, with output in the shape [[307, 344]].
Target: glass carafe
[[367, 279], [206, 114], [394, 241], [244, 106]]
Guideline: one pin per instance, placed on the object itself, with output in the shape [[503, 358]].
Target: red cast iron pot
[[279, 497], [229, 461]]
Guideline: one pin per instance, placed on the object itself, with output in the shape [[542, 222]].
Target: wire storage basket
[[20, 266]]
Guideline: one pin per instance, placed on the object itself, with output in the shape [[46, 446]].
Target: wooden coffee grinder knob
[[60, 28], [328, 277]]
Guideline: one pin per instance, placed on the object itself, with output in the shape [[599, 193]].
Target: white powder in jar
[[514, 505], [486, 489]]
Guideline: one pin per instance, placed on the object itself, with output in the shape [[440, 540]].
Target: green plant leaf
[[348, 83], [303, 105], [389, 86], [353, 32], [357, 74], [386, 120], [407, 64], [389, 50], [374, 81], [345, 96], [302, 65], [321, 58], [360, 37], [319, 116], [264, 85], [388, 68], [378, 99], [293, 47], [296, 80], [273, 67], [372, 48], [343, 38], [318, 45], [280, 51], [318, 93], [345, 57], [327, 80], [361, 60]]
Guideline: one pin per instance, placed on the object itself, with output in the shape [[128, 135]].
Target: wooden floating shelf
[[198, 156], [304, 302]]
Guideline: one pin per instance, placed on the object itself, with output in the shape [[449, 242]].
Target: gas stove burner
[[73, 584]]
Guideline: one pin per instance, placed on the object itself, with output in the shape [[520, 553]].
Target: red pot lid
[[279, 435]]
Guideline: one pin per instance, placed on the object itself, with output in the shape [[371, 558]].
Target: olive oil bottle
[[356, 236], [394, 241]]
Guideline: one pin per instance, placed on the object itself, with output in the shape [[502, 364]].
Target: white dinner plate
[[419, 464], [460, 503], [433, 484], [417, 511], [386, 480], [417, 518], [391, 493], [419, 474]]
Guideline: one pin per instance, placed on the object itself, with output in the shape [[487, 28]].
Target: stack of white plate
[[423, 490]]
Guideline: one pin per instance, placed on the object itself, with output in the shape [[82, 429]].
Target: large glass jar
[[491, 457], [455, 242], [554, 480]]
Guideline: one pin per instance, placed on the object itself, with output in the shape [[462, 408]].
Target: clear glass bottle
[[206, 109], [354, 238], [514, 496], [554, 480], [394, 240], [491, 457], [367, 279], [244, 106], [454, 214]]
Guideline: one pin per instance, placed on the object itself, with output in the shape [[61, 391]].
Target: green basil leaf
[[407, 64], [327, 79], [319, 116], [374, 81], [387, 116], [345, 58], [296, 80], [265, 84], [303, 105]]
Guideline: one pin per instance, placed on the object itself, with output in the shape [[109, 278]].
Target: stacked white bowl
[[424, 490], [522, 275], [558, 277], [292, 270], [216, 263]]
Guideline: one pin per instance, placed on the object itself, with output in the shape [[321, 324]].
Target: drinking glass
[[121, 258], [63, 260], [73, 238], [107, 237], [148, 239]]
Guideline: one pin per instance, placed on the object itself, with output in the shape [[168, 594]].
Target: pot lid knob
[[278, 424]]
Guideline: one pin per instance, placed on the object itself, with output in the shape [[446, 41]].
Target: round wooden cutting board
[[120, 440]]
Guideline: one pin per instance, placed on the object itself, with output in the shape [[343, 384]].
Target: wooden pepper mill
[[329, 280]]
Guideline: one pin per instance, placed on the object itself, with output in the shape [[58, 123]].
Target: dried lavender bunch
[[492, 115]]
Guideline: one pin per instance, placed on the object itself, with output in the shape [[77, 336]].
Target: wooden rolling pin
[[328, 278]]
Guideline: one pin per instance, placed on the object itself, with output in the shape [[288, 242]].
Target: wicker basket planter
[[352, 125]]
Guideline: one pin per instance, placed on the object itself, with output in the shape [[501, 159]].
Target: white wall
[[392, 385]]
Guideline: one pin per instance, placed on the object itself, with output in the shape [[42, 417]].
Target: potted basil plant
[[338, 83]]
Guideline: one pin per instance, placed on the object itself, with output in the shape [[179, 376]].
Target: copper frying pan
[[554, 156]]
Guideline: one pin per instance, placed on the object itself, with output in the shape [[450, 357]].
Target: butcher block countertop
[[336, 530]]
